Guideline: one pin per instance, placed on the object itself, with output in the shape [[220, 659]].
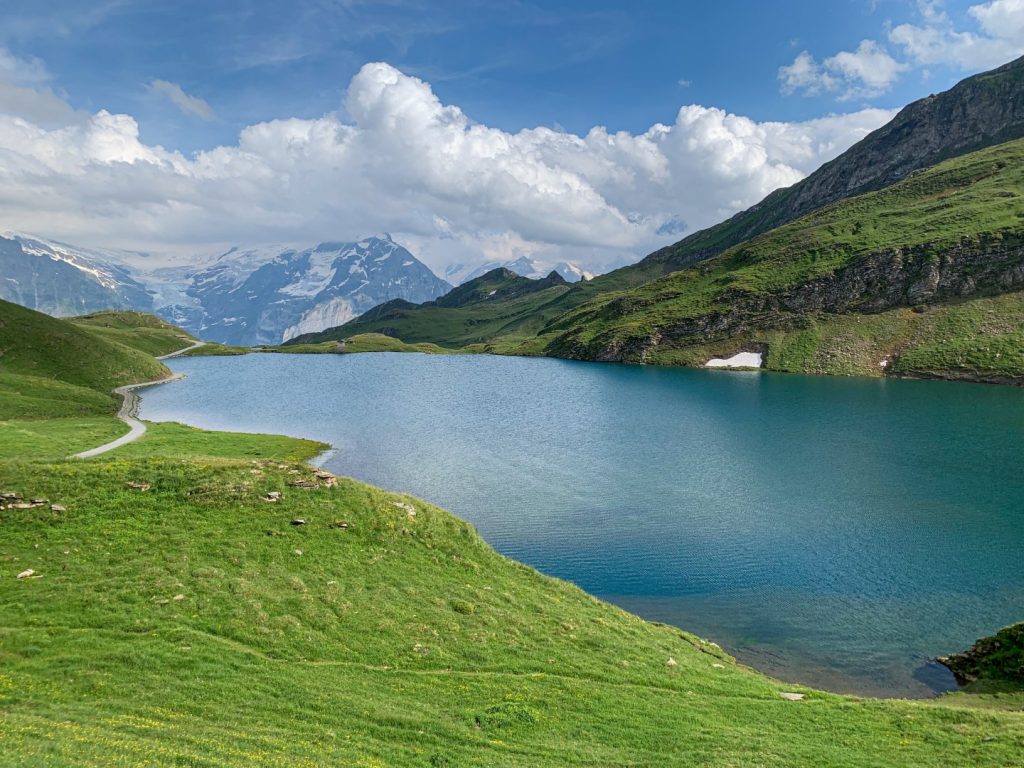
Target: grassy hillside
[[492, 309], [73, 369], [952, 230], [27, 397], [213, 349], [56, 438], [377, 342], [171, 439], [193, 624], [138, 330], [57, 377], [979, 340], [980, 111], [362, 342]]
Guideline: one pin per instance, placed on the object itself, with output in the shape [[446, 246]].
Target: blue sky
[[508, 64], [193, 75]]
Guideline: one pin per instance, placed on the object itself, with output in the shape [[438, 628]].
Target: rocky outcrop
[[997, 658], [877, 282], [910, 276]]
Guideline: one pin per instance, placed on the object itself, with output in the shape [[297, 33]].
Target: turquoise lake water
[[836, 532]]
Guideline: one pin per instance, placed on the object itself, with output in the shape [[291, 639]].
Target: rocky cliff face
[[978, 112], [879, 281]]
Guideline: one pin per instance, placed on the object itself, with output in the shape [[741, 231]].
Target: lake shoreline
[[340, 455], [339, 348]]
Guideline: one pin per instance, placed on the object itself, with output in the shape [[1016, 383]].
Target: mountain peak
[[524, 266]]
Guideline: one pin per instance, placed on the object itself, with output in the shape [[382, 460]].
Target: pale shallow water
[[837, 532]]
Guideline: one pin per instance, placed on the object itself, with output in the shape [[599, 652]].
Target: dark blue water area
[[837, 532]]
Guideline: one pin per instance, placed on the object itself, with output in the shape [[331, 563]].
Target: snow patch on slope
[[739, 360]]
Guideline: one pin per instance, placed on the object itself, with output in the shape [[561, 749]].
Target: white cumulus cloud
[[870, 70], [998, 39], [866, 72], [398, 159]]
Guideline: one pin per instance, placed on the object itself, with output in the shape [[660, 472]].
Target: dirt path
[[189, 348], [130, 409]]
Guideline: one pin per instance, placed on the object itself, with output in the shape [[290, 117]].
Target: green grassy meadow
[[137, 330], [172, 439], [33, 344], [213, 349], [193, 624]]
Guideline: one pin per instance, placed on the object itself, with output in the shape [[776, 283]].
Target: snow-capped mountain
[[270, 294], [523, 266], [246, 296], [63, 280]]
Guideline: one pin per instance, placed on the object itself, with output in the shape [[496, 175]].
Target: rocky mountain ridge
[[62, 280], [980, 111], [899, 277], [524, 266], [269, 295], [246, 296]]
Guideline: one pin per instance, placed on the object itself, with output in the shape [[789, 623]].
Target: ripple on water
[[837, 532]]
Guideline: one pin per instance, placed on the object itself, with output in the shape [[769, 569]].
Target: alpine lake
[[835, 532]]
